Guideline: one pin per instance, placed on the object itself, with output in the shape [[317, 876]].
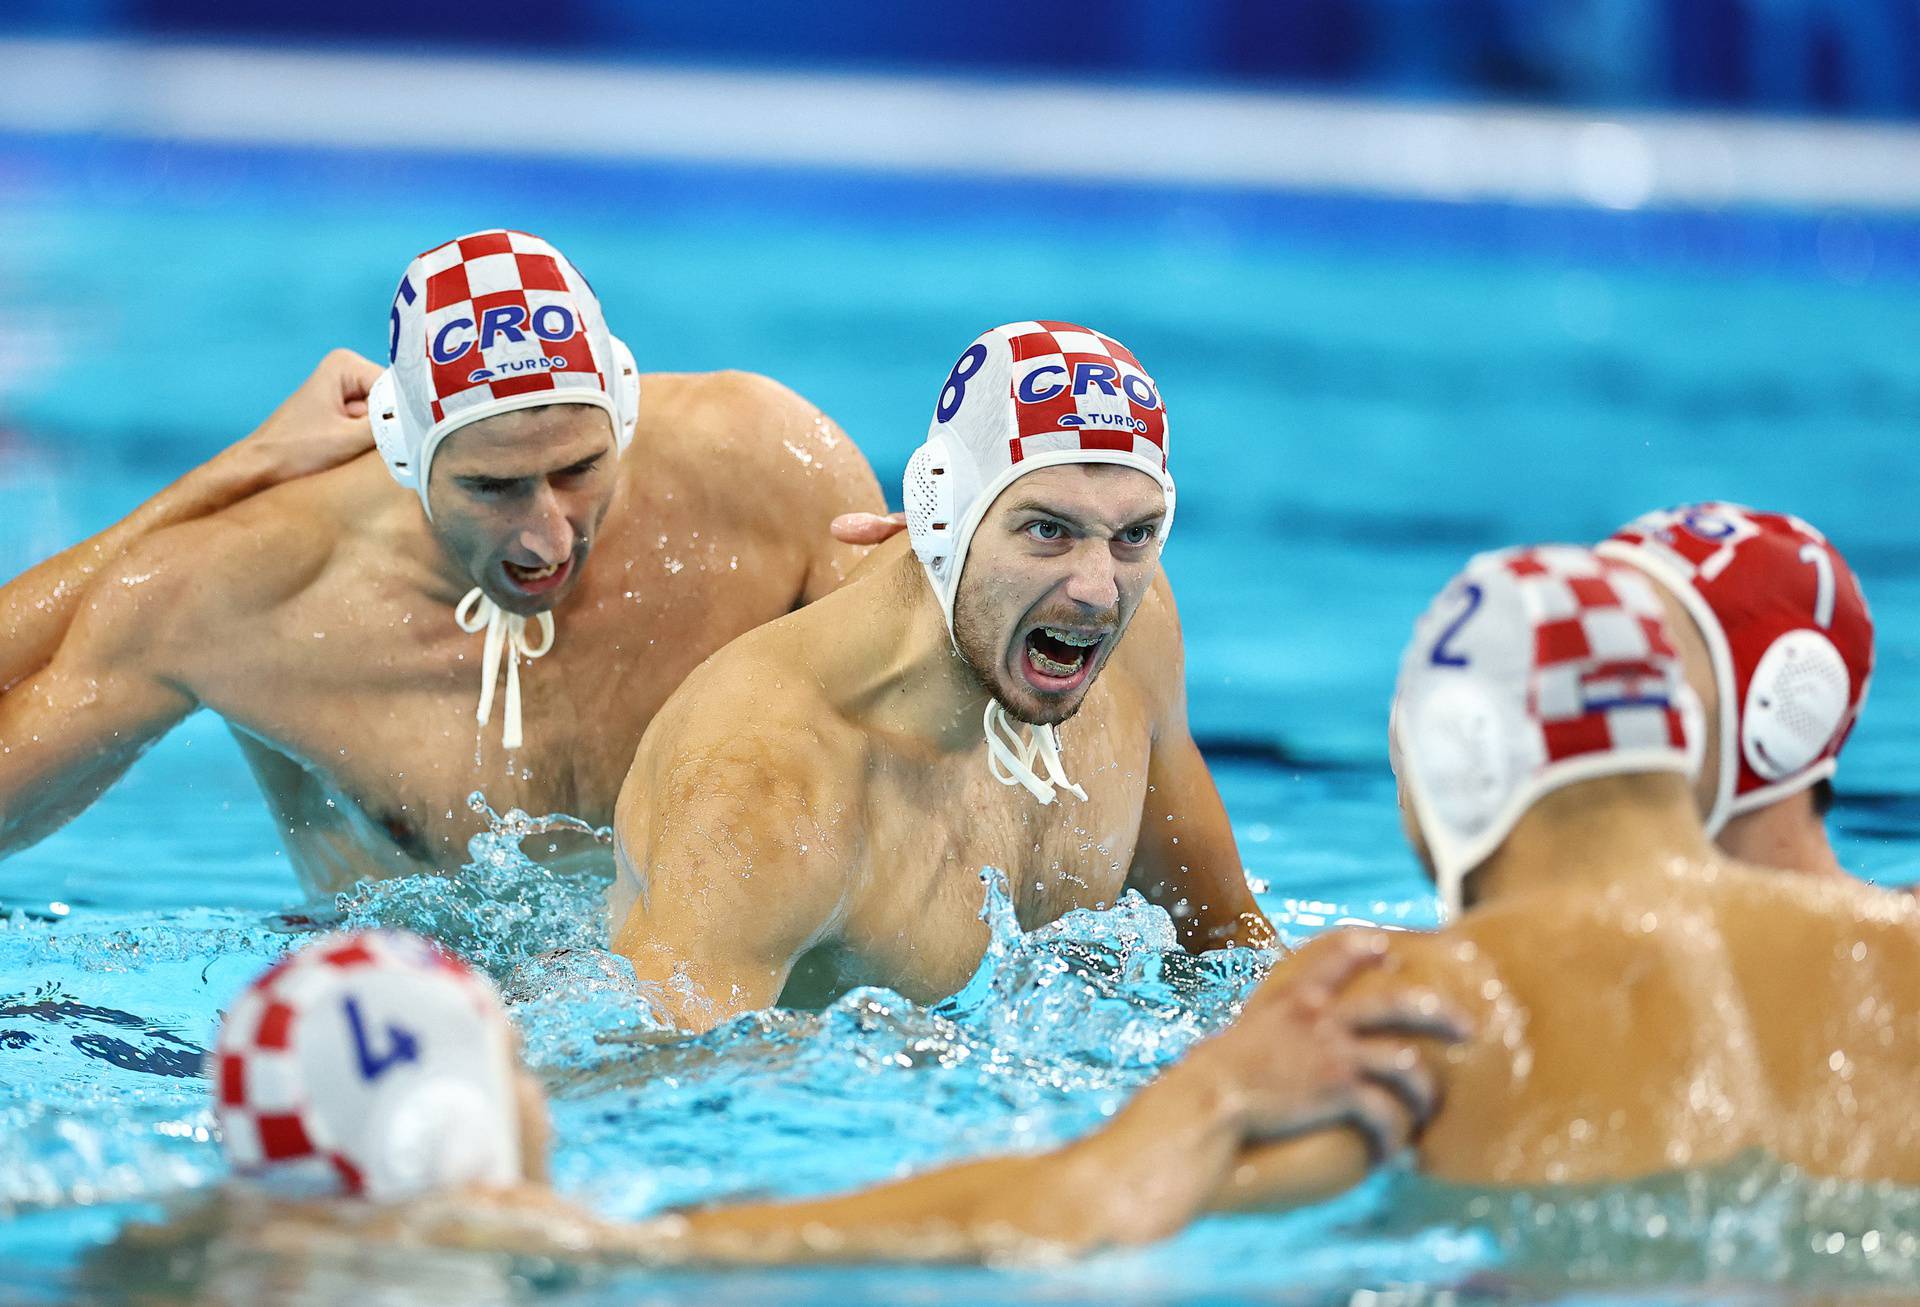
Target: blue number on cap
[[402, 1046], [1443, 656], [393, 343], [956, 388]]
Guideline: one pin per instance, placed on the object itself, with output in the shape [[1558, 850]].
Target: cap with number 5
[[1787, 632]]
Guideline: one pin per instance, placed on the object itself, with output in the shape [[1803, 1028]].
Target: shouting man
[[813, 810]]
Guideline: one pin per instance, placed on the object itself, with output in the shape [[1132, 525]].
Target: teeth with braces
[[1052, 668], [1070, 638]]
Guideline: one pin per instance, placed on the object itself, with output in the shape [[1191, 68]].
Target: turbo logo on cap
[[1074, 388]]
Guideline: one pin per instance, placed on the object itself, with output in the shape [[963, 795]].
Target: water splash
[[502, 906], [1054, 1030]]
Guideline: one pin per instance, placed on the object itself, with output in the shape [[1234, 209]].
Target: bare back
[[1675, 1023]]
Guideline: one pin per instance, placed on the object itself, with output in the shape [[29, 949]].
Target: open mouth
[[1057, 659], [538, 580]]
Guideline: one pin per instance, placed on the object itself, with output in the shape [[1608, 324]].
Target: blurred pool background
[[1417, 278]]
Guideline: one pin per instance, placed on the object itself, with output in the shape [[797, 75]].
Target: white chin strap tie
[[1011, 758], [477, 612]]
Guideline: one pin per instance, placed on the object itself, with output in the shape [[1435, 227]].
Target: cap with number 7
[[1787, 632]]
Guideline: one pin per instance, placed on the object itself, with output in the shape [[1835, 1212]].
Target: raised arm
[[1185, 859], [734, 876], [321, 424]]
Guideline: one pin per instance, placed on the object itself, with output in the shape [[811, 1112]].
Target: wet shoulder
[[756, 698], [736, 417]]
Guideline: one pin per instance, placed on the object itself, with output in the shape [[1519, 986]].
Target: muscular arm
[[737, 878], [71, 727], [1185, 859], [320, 424]]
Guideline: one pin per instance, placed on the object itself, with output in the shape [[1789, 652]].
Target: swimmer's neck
[[923, 686], [1599, 834], [1788, 834]]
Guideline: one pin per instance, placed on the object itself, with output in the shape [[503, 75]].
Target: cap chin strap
[[508, 630], [1011, 758]]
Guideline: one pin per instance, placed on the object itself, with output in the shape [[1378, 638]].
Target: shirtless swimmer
[[373, 645], [1612, 997], [812, 810]]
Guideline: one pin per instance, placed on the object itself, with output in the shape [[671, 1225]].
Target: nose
[[549, 534], [1094, 582]]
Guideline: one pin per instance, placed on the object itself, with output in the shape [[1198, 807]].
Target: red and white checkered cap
[[484, 324], [1024, 396], [1534, 668], [1786, 628], [372, 1063]]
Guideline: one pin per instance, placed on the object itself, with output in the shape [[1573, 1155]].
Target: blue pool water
[[1362, 394]]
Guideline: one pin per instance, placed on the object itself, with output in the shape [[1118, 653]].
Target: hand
[[321, 425], [867, 528], [1307, 1053]]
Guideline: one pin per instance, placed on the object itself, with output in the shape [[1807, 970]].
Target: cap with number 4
[[1787, 632], [371, 1063]]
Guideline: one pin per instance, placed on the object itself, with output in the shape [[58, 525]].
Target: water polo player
[[1779, 646], [813, 809], [368, 1092], [369, 632]]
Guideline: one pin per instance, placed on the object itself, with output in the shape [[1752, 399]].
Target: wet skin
[[1644, 1003], [813, 809], [316, 617]]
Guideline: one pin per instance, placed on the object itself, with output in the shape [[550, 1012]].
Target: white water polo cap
[[1787, 632], [373, 1064], [1534, 668], [1022, 397], [486, 324]]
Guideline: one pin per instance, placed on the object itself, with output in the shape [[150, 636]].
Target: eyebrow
[[1022, 506], [578, 465]]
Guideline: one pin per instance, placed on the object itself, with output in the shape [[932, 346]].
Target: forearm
[[1293, 1172], [38, 607], [1141, 1177]]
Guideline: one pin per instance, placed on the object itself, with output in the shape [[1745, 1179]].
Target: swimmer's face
[[518, 497], [1055, 571]]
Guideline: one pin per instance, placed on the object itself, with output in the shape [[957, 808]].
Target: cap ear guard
[[388, 417], [625, 385], [928, 494], [1796, 704], [438, 1135]]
